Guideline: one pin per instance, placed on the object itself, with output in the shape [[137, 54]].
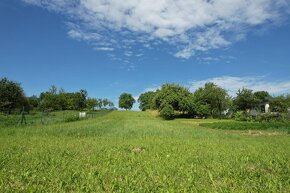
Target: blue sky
[[137, 45]]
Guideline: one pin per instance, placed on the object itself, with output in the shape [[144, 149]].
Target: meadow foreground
[[138, 152]]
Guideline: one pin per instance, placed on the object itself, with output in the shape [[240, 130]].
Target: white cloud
[[190, 25], [104, 48], [256, 83], [185, 53]]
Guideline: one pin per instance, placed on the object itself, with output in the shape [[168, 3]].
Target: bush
[[240, 116], [167, 112], [266, 117]]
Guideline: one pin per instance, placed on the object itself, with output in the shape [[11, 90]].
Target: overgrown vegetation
[[12, 100], [214, 101]]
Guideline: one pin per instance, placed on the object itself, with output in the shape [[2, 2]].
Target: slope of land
[[138, 152]]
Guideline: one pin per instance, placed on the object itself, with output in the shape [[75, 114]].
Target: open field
[[137, 152]]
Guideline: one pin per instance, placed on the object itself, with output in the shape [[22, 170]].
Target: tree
[[100, 103], [33, 102], [107, 103], [126, 101], [167, 112], [279, 104], [145, 100], [62, 100], [49, 101], [178, 97], [262, 96], [91, 103], [80, 100], [201, 109], [53, 90], [11, 95], [52, 100], [246, 100], [211, 99]]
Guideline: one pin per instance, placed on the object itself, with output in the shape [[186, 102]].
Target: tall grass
[[41, 118]]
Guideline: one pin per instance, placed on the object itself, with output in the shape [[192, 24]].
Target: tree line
[[12, 97], [173, 100]]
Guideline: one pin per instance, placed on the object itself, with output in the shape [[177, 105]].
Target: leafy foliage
[[11, 95], [280, 104], [208, 100], [201, 109], [211, 100], [145, 100], [263, 96], [33, 102], [92, 103], [167, 112], [246, 100], [178, 97], [126, 101], [62, 100], [106, 103]]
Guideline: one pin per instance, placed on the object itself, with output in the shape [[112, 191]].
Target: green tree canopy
[[167, 112], [81, 99], [245, 99], [107, 103], [263, 96], [145, 100], [211, 99], [279, 104], [11, 95], [178, 97], [33, 102], [62, 100], [126, 101], [91, 103]]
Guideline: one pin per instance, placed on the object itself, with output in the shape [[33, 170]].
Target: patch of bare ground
[[154, 113], [260, 133], [138, 150]]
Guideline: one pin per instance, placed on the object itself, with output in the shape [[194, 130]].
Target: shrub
[[266, 117], [167, 112], [240, 116]]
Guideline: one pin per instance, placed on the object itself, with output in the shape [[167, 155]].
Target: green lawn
[[137, 152]]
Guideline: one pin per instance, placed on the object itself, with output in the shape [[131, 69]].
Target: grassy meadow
[[139, 152]]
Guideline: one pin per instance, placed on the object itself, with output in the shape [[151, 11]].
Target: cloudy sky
[[111, 46]]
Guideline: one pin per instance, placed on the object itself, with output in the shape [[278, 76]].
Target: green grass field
[[137, 152]]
